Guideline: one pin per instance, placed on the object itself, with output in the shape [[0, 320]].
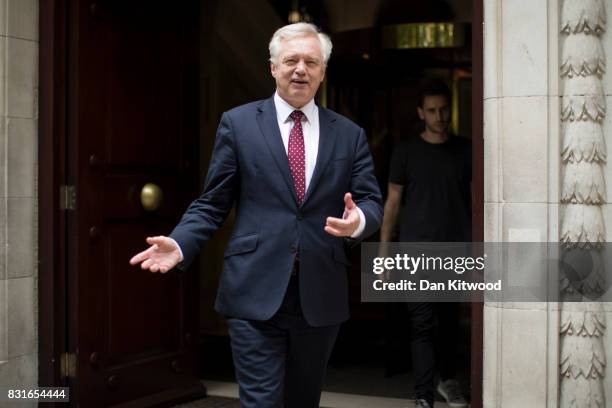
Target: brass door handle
[[151, 197]]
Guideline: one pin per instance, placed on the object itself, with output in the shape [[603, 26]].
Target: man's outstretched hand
[[347, 225], [161, 256]]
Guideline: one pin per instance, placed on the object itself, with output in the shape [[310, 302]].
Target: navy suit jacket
[[249, 168]]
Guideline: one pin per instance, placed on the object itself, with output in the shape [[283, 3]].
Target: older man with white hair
[[302, 180]]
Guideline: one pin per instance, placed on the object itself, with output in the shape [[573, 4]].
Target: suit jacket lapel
[[268, 124], [327, 137]]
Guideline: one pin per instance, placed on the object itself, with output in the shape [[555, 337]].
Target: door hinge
[[67, 197], [68, 366]]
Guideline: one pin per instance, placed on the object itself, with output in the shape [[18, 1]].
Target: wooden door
[[132, 119]]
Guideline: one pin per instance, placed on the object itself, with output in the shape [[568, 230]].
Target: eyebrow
[[296, 56]]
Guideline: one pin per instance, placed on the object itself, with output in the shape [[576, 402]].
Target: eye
[[290, 61]]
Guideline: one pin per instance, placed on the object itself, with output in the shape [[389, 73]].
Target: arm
[[364, 196], [204, 215], [208, 212], [392, 208]]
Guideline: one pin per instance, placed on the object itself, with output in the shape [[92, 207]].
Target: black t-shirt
[[436, 196]]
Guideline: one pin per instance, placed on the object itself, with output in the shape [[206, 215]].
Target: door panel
[[133, 103], [137, 328]]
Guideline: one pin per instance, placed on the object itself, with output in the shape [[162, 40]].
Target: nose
[[439, 115], [300, 67]]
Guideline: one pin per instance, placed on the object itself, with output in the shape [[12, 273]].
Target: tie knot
[[296, 116]]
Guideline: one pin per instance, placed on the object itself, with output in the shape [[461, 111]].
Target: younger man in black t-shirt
[[429, 183]]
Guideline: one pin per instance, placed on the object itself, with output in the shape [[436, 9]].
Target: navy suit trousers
[[281, 362]]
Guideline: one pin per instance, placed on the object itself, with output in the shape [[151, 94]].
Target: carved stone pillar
[[583, 193]]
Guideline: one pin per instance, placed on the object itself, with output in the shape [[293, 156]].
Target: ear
[[273, 70], [421, 113]]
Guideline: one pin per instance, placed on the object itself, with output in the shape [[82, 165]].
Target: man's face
[[299, 70], [436, 113]]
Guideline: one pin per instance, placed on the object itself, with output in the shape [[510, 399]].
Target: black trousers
[[447, 339], [422, 325], [281, 362]]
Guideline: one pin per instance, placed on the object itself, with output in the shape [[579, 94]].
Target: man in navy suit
[[302, 180]]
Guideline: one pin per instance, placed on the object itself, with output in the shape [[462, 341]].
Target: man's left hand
[[347, 225]]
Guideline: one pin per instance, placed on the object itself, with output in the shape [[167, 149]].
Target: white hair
[[295, 31]]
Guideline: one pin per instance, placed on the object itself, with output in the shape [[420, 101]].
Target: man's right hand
[[162, 255]]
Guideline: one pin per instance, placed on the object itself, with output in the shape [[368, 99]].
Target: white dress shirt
[[310, 129]]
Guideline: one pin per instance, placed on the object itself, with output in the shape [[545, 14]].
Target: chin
[[299, 93], [301, 99]]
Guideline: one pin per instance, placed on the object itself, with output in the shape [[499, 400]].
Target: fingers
[[348, 201], [146, 264], [158, 268], [337, 222], [154, 266], [156, 258], [141, 256], [136, 259], [340, 227], [350, 222], [158, 240], [335, 232], [155, 242]]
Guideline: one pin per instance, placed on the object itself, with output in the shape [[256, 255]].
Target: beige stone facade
[[18, 174], [527, 347]]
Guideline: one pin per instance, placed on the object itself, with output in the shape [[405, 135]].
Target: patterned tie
[[296, 154]]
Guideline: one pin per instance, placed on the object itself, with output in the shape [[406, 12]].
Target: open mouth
[[299, 82]]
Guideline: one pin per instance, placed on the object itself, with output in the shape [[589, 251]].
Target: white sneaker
[[451, 392]]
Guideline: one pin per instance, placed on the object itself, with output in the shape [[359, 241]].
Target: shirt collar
[[283, 109]]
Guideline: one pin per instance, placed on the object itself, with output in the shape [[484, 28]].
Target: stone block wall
[[521, 137], [18, 199], [527, 347]]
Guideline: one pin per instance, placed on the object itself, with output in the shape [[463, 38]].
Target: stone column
[[583, 195], [18, 213], [522, 162]]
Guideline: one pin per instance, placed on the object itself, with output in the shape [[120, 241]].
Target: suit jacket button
[[299, 216]]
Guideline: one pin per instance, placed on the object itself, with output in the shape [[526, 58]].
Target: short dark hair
[[433, 87]]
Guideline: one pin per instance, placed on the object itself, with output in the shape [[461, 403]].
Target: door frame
[[51, 175], [56, 289], [476, 354]]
